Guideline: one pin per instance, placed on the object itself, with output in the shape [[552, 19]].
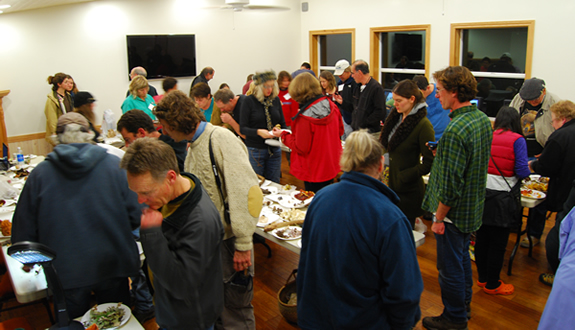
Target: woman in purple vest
[[507, 167]]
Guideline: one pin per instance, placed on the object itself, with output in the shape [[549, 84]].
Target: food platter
[[532, 194], [536, 182], [287, 233], [127, 314]]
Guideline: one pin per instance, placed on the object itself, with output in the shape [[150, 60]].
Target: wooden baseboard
[[26, 137]]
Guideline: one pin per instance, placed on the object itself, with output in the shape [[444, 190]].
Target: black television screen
[[163, 55]]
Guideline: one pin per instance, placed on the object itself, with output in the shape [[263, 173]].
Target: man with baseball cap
[[346, 87], [533, 103]]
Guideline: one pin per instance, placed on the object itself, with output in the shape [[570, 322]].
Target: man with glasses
[[456, 192], [369, 109], [533, 103]]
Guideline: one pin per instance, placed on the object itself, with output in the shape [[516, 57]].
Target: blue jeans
[[265, 164], [455, 277]]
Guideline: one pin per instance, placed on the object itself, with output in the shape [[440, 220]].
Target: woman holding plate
[[314, 141], [260, 113]]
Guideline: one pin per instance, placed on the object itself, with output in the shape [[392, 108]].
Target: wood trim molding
[[374, 46], [313, 45], [26, 137], [455, 43], [3, 134], [32, 136]]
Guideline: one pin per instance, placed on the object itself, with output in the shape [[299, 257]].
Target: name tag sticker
[[340, 87], [287, 96], [151, 106]]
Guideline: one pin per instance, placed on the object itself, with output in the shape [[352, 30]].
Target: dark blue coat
[[358, 268]]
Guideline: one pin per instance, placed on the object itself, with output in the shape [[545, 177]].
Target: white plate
[[272, 142], [298, 244], [305, 201], [275, 232], [283, 189], [535, 194], [265, 183], [272, 190], [290, 202], [271, 216], [103, 307], [275, 197]]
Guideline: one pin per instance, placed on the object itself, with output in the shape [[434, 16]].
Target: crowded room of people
[[278, 164]]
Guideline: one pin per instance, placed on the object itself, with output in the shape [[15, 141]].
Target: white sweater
[[240, 184]]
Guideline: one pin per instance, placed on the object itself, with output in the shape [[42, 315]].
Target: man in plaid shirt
[[456, 192]]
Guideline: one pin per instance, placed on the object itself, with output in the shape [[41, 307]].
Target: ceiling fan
[[239, 5]]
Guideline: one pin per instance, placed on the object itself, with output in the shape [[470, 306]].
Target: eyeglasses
[[268, 86], [437, 90]]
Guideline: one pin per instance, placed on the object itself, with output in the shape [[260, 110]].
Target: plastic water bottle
[[20, 158]]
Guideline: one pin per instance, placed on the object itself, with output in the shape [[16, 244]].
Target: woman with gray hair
[[139, 97], [374, 239], [260, 113]]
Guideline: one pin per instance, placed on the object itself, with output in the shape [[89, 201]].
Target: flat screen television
[[163, 55]]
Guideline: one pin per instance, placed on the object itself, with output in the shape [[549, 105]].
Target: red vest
[[503, 153]]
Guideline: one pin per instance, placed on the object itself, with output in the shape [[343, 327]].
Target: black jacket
[[347, 93], [370, 108], [184, 256], [557, 161]]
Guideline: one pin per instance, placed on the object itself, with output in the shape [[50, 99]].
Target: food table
[[32, 285], [271, 201]]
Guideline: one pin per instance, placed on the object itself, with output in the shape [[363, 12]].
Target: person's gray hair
[[140, 71], [362, 151], [73, 133], [259, 91]]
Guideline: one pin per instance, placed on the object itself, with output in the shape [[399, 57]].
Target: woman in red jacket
[[315, 142]]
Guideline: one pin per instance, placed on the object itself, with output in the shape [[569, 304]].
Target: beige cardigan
[[240, 184]]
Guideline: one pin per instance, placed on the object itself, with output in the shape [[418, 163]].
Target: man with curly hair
[[237, 197], [456, 192]]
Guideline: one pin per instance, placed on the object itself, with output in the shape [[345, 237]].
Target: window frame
[[455, 45], [314, 37], [375, 48]]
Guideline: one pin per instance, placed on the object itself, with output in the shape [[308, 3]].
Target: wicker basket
[[289, 312]]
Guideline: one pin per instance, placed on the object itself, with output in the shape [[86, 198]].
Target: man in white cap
[[533, 103], [346, 87]]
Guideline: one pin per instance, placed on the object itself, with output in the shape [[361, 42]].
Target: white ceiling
[[21, 5]]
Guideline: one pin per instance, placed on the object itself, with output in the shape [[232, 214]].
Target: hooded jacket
[[77, 202], [315, 143]]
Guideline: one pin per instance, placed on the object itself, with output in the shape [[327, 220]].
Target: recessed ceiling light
[[4, 6], [1, 12]]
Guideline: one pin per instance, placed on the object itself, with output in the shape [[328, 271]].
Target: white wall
[[88, 41], [554, 22]]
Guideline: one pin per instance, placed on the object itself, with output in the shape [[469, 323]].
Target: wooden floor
[[521, 310]]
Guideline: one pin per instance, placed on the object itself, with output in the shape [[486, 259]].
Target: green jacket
[[405, 148]]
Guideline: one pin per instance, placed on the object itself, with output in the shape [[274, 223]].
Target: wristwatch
[[435, 220]]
